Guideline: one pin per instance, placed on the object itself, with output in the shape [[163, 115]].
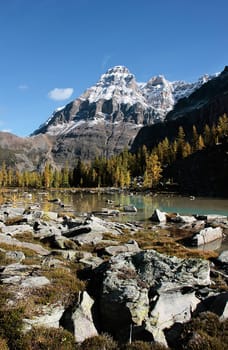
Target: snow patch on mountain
[[152, 100], [117, 82]]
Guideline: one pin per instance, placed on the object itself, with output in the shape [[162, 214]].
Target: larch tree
[[153, 171]]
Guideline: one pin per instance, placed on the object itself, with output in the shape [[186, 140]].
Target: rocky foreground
[[66, 279]]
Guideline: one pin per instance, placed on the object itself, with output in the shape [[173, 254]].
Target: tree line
[[120, 170]]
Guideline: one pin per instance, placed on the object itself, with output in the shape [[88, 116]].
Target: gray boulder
[[149, 291], [59, 242], [13, 230], [131, 246], [158, 216], [15, 255], [80, 319], [35, 282], [207, 235], [16, 243], [92, 237], [50, 317], [223, 257], [129, 209]]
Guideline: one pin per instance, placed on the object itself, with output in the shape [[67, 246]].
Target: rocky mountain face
[[205, 105], [30, 153], [107, 117]]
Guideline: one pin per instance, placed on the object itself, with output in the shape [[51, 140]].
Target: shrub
[[202, 341], [98, 342], [3, 344], [205, 332], [141, 345], [11, 327], [41, 338]]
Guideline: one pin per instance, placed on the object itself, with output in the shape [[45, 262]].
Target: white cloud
[[23, 87], [6, 130], [60, 94]]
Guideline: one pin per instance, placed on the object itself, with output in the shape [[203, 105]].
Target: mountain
[[204, 105], [29, 153], [107, 117]]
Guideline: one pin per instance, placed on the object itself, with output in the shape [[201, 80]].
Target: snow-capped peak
[[140, 103], [119, 83]]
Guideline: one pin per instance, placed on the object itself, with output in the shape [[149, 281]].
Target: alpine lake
[[83, 201]]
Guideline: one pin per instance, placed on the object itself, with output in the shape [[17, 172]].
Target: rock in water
[[158, 216]]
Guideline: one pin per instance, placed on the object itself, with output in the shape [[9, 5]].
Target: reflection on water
[[81, 202]]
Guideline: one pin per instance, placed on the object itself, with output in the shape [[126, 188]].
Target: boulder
[[75, 255], [187, 219], [11, 212], [150, 292], [91, 262], [207, 235], [35, 282], [15, 273], [80, 319], [158, 216], [75, 231], [50, 317], [14, 230], [14, 242], [216, 218], [131, 246], [223, 257], [59, 242], [89, 238], [15, 255], [129, 209]]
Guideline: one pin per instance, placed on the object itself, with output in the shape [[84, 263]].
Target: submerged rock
[[129, 208]]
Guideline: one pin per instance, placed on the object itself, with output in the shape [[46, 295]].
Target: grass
[[4, 260], [14, 221], [63, 289], [161, 241], [28, 252]]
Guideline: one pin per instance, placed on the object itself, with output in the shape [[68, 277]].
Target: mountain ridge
[[150, 101], [96, 125]]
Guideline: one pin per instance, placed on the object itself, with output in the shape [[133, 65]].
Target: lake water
[[83, 202]]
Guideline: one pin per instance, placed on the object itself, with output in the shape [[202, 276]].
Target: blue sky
[[53, 50]]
